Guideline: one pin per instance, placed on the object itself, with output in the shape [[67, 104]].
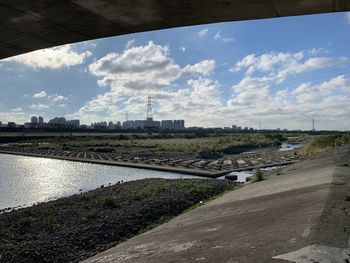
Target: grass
[[258, 176], [322, 143], [149, 191], [211, 144], [110, 201], [25, 221]]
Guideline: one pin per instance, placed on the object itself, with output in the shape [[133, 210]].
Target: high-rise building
[[58, 121], [34, 120], [167, 124], [73, 123], [41, 120], [179, 124]]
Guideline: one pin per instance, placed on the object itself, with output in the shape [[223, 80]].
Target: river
[[28, 180]]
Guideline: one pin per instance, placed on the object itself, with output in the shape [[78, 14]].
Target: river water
[[27, 180]]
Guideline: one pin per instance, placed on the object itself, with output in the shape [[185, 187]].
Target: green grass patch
[[258, 176]]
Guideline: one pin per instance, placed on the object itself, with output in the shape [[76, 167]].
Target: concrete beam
[[30, 25]]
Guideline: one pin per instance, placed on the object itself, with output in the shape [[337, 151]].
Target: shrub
[[110, 201], [259, 175], [25, 221], [149, 191]]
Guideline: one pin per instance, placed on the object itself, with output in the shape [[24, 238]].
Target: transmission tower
[[149, 107]]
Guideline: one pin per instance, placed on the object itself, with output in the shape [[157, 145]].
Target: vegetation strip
[[73, 228]]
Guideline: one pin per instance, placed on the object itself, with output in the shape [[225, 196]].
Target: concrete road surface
[[302, 215]]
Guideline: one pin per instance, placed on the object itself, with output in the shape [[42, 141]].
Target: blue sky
[[283, 72]]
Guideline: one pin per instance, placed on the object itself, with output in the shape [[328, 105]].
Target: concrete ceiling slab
[[30, 25]]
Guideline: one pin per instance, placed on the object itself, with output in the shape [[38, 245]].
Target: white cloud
[[144, 67], [150, 63], [228, 39], [41, 94], [57, 98], [15, 116], [135, 73], [39, 106], [280, 65], [18, 109], [307, 92], [218, 36], [53, 58], [198, 98], [130, 43], [317, 51], [202, 32], [183, 49], [204, 67]]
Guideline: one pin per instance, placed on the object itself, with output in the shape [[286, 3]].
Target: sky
[[283, 72]]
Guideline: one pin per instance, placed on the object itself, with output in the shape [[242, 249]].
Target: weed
[[25, 221], [259, 175], [110, 201]]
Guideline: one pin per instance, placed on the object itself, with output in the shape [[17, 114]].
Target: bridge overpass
[[30, 25]]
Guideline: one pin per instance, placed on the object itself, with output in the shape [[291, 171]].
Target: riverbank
[[73, 228], [301, 214]]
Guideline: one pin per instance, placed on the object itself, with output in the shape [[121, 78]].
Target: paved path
[[305, 205]]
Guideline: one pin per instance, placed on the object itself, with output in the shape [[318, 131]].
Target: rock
[[231, 177]]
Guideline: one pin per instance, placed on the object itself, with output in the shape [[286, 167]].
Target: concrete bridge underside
[[30, 25]]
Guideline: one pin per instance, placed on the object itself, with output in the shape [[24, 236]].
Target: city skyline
[[279, 72]]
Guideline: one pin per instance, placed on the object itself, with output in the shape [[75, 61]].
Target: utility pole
[[313, 125]]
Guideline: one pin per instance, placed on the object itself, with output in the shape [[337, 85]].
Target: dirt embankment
[[73, 228]]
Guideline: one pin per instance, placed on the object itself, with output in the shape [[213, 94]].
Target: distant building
[[11, 124], [179, 124], [167, 124], [173, 124], [236, 128], [34, 120], [128, 125], [111, 125], [41, 120], [100, 125], [73, 123], [0, 124], [58, 121], [118, 125]]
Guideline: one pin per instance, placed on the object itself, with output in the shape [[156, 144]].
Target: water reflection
[[27, 180]]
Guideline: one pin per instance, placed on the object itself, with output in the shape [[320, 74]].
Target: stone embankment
[[211, 168], [73, 228]]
